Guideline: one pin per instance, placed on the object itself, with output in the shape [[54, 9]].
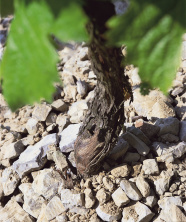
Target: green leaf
[[70, 25], [28, 66], [6, 7], [152, 31]]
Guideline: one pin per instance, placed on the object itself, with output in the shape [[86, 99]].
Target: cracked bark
[[105, 117]]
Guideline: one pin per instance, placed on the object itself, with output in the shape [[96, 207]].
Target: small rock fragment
[[32, 201], [59, 105], [41, 111], [151, 200], [34, 157], [121, 171], [13, 212], [72, 160], [131, 190], [143, 186], [120, 198], [9, 180], [144, 213], [72, 198], [108, 183], [108, 212], [166, 202], [68, 137], [59, 159], [46, 183], [54, 208], [82, 87], [102, 196], [32, 126], [89, 198], [150, 167], [51, 118]]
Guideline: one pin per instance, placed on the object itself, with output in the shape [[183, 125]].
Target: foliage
[[151, 29]]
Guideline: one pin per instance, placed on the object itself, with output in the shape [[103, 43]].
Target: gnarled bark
[[105, 117]]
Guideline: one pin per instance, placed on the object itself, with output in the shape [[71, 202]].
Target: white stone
[[46, 183], [120, 198], [68, 137], [82, 88], [9, 180], [41, 111], [12, 212], [106, 214], [108, 183], [32, 201], [144, 213], [34, 157], [143, 186], [89, 198], [72, 160], [150, 167], [135, 142], [54, 208], [131, 190], [42, 215], [179, 150], [166, 202], [72, 198], [162, 183], [151, 200], [32, 126]]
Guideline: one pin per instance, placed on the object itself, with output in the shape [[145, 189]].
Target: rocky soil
[[143, 178]]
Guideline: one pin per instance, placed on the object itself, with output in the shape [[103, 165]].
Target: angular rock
[[82, 88], [179, 150], [13, 212], [162, 184], [12, 150], [144, 213], [41, 112], [151, 200], [58, 158], [32, 201], [42, 215], [131, 157], [136, 169], [121, 171], [131, 190], [89, 198], [143, 186], [68, 137], [72, 160], [108, 183], [59, 105], [9, 180], [171, 214], [139, 145], [62, 121], [51, 118], [153, 105], [51, 127], [102, 196], [168, 125], [46, 183], [77, 111], [150, 167], [166, 202], [32, 126], [120, 198], [72, 198], [34, 157], [137, 212], [54, 208], [108, 212], [160, 148], [120, 149]]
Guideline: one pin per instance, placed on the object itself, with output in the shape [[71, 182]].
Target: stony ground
[[144, 177]]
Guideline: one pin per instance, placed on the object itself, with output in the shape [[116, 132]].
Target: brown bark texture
[[105, 117]]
